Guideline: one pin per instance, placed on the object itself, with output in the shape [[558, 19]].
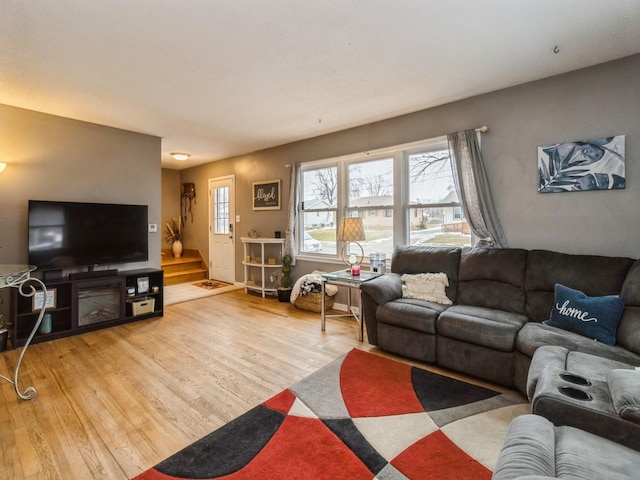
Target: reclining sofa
[[499, 301], [536, 449]]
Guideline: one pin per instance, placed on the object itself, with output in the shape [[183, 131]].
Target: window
[[319, 191], [405, 195], [434, 208], [221, 213], [371, 190]]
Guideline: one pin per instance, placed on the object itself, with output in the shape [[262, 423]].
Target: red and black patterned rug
[[361, 417]]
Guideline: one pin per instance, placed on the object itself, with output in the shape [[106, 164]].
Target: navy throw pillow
[[593, 317]]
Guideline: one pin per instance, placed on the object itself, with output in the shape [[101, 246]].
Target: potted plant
[[4, 331], [173, 234], [284, 290]]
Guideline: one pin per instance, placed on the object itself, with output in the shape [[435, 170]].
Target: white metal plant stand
[[19, 276]]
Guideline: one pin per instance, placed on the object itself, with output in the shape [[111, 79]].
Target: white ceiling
[[217, 78]]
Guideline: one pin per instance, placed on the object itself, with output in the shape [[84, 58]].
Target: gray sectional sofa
[[500, 299]]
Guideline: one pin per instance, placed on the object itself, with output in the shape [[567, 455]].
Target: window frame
[[401, 207]]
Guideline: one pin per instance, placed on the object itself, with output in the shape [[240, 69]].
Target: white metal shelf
[[268, 248]]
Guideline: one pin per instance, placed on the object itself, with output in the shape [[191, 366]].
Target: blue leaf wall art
[[596, 164]]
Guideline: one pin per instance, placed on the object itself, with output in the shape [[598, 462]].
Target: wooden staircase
[[190, 267]]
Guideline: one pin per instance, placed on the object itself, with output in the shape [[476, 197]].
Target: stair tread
[[185, 272], [178, 261]]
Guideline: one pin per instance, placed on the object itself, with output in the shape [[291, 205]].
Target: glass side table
[[19, 276], [343, 278]]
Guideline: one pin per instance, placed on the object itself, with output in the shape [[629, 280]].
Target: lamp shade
[[351, 229]]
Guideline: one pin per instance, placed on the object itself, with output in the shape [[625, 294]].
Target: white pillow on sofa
[[426, 286]]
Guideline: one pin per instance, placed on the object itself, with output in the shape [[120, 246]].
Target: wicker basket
[[313, 302]]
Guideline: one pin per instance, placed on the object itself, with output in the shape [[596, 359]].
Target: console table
[[19, 277], [343, 278]]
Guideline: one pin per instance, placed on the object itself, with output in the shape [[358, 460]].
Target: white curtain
[[290, 237], [473, 189]]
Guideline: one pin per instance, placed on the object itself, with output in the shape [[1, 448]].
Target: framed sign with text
[[266, 195], [40, 301]]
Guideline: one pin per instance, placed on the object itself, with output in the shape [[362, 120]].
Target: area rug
[[361, 417], [185, 292], [211, 284]]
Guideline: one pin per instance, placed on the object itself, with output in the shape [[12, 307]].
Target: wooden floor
[[115, 402]]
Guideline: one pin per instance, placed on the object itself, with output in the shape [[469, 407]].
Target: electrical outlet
[[153, 228]]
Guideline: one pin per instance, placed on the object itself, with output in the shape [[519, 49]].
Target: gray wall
[[170, 201], [55, 158], [595, 102]]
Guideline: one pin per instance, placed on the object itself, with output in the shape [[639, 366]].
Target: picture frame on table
[[143, 284], [39, 300]]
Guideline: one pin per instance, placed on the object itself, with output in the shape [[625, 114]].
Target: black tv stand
[[82, 304], [93, 274]]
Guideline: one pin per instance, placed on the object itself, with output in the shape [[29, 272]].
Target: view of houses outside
[[434, 215]]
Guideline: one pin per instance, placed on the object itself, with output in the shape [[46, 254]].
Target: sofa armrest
[[624, 386], [528, 450], [383, 289], [376, 292]]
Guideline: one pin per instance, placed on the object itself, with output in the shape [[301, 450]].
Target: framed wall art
[[266, 195], [597, 164], [50, 301]]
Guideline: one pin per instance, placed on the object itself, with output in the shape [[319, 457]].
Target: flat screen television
[[65, 235]]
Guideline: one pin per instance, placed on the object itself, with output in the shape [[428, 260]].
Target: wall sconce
[[2, 166], [180, 156]]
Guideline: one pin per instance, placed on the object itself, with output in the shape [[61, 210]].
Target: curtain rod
[[482, 129]]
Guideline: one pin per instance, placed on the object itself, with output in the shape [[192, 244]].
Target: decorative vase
[[177, 248], [45, 326]]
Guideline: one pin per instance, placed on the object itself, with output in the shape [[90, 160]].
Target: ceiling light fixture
[[2, 166], [180, 156]]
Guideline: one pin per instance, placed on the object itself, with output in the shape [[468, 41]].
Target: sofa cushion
[[488, 327], [534, 335], [593, 317], [492, 278], [410, 313], [624, 386], [426, 286], [420, 259], [594, 275]]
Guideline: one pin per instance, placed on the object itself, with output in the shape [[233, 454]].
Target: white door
[[221, 235]]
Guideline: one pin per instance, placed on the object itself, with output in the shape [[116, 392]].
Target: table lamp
[[351, 231]]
